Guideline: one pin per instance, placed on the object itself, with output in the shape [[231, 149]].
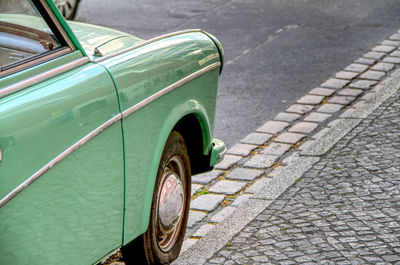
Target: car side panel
[[138, 75], [74, 211]]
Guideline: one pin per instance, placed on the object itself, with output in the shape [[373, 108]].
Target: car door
[[61, 149]]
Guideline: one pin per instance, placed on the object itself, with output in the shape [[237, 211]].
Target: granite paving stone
[[363, 84], [228, 162], [335, 83], [289, 117], [333, 123], [241, 149], [367, 61], [385, 67], [187, 243], [256, 138], [344, 210], [300, 108], [303, 127], [206, 178], [257, 185], [194, 188], [395, 37], [261, 161], [273, 127], [348, 113], [195, 217], [203, 230], [377, 88], [346, 75], [344, 100], [320, 133], [276, 149], [290, 138], [384, 48], [395, 53], [221, 215], [240, 200], [306, 144], [391, 258], [291, 158], [390, 59], [373, 75], [310, 100], [240, 173], [356, 67], [227, 187], [350, 92], [320, 91], [317, 117], [374, 55], [330, 108], [207, 202], [391, 43]]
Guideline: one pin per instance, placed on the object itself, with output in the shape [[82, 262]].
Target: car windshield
[[24, 34]]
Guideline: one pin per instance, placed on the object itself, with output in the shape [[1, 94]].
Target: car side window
[[24, 34]]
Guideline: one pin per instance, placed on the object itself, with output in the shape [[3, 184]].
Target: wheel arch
[[196, 138], [190, 113]]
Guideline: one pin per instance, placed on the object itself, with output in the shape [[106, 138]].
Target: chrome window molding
[[100, 59], [36, 60], [42, 77], [101, 128]]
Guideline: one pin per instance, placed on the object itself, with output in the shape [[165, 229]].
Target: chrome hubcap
[[171, 201]]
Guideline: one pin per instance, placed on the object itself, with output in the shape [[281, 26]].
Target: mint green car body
[[80, 147]]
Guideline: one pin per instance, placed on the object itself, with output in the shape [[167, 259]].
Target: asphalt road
[[275, 50]]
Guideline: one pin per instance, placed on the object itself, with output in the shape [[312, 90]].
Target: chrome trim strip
[[60, 157], [145, 43], [36, 61], [42, 77], [102, 127], [169, 89]]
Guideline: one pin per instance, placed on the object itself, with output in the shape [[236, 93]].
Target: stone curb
[[386, 89], [280, 179]]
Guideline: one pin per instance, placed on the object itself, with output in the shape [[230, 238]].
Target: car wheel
[[67, 8], [162, 241]]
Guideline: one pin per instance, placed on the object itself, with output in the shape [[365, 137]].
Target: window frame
[[66, 47]]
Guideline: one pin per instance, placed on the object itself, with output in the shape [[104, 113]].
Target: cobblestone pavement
[[249, 164], [345, 210]]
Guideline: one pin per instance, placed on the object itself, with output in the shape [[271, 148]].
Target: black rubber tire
[[145, 249]]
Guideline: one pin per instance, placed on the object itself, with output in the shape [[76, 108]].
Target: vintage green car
[[100, 132]]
